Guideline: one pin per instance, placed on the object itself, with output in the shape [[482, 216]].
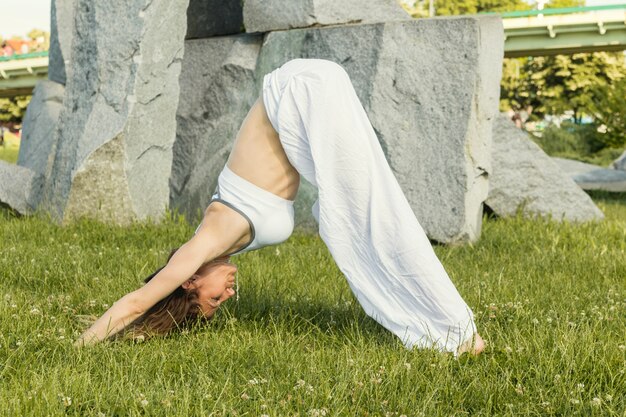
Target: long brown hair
[[178, 310]]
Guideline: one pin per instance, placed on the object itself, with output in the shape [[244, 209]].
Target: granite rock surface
[[117, 126], [271, 15], [526, 179], [593, 177], [620, 163], [20, 188], [217, 88], [61, 34], [39, 126], [207, 18], [430, 88]]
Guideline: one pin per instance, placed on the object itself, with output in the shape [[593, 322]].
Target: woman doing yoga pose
[[310, 122]]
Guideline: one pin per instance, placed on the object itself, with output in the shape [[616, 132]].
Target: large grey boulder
[[217, 88], [207, 18], [430, 88], [525, 179], [20, 188], [117, 126], [61, 33], [620, 163], [40, 122], [593, 177], [269, 15]]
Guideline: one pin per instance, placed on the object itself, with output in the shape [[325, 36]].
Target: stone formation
[[145, 99]]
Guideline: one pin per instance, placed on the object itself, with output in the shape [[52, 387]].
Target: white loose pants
[[363, 215]]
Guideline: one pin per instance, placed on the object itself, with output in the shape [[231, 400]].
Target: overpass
[[565, 31], [20, 73], [527, 33]]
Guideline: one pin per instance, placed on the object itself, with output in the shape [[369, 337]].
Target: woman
[[309, 121]]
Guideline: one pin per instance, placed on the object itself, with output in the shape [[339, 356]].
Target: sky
[[18, 17]]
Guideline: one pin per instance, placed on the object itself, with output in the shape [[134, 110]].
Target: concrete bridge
[[20, 73], [527, 33], [565, 31]]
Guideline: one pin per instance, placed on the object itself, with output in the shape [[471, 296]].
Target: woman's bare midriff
[[259, 158]]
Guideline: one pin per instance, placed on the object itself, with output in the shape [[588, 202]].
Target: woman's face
[[214, 284]]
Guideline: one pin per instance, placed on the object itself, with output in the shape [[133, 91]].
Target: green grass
[[10, 149], [549, 298]]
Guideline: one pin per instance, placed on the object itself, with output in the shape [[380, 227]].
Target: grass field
[[11, 148], [549, 298]]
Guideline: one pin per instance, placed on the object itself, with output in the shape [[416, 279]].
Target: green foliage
[[557, 4], [547, 297], [36, 35], [609, 109], [580, 142], [13, 109], [461, 7], [556, 84]]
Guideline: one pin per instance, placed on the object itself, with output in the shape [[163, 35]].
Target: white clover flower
[[245, 396], [574, 401], [144, 402], [65, 400], [407, 366], [596, 402]]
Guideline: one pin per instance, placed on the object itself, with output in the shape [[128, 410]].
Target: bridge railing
[[560, 11], [13, 57]]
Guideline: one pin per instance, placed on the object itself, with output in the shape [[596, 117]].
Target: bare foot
[[473, 346]]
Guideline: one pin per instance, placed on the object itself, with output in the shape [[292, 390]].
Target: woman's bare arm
[[222, 228]]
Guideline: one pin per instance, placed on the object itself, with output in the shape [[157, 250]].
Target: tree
[[12, 110], [40, 40], [557, 4], [609, 111], [556, 84], [461, 7]]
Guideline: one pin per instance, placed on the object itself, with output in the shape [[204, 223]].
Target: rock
[[431, 105], [61, 33], [526, 179], [593, 177], [207, 18], [117, 126], [20, 188], [620, 163], [572, 167], [217, 88], [269, 15], [39, 126]]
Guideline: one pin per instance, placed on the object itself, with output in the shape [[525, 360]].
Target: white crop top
[[271, 217]]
